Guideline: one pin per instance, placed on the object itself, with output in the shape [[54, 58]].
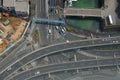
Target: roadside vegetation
[[69, 28], [118, 9], [36, 36], [85, 3], [89, 24]]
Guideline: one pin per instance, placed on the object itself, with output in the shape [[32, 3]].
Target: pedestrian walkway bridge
[[82, 12], [47, 21]]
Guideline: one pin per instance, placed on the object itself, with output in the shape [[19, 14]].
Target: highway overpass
[[98, 64], [82, 12], [51, 50]]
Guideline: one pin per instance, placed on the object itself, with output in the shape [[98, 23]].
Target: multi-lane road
[[11, 64], [41, 13], [53, 49], [67, 66]]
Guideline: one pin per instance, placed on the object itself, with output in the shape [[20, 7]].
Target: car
[[67, 41], [115, 41], [63, 30], [36, 73], [9, 69], [60, 32], [49, 2], [60, 18], [49, 31], [50, 10], [56, 11], [57, 27]]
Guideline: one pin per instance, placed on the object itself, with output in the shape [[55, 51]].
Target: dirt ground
[[12, 31]]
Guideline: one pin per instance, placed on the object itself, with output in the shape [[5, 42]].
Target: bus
[[110, 19]]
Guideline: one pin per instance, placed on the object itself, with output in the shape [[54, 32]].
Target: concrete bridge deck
[[82, 12]]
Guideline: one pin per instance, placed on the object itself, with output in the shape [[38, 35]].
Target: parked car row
[[61, 30]]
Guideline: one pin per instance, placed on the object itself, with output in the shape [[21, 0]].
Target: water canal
[[86, 23]]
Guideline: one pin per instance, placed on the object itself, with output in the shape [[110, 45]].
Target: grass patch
[[36, 36], [69, 28], [85, 4], [84, 24]]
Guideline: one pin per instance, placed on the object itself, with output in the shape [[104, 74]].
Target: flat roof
[[20, 5], [0, 2], [8, 3]]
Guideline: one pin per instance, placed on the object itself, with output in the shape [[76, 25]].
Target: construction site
[[11, 29], [13, 20]]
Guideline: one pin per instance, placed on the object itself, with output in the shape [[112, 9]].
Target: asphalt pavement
[[41, 13], [65, 66], [50, 50]]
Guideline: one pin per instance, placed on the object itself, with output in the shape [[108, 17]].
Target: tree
[[118, 11], [118, 1]]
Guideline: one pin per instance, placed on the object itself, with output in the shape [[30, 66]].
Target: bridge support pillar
[[75, 58], [98, 68], [97, 64], [77, 70], [49, 75]]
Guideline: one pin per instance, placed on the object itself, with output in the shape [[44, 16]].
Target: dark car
[[50, 10]]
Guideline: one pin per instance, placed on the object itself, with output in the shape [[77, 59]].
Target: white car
[[115, 41], [36, 73], [63, 30], [57, 27], [9, 69], [49, 31]]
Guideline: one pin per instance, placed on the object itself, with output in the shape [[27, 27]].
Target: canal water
[[86, 23]]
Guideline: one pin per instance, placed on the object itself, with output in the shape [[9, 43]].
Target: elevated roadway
[[51, 50], [67, 66], [82, 12]]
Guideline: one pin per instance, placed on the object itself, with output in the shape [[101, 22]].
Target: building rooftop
[[20, 5], [0, 2], [8, 3]]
